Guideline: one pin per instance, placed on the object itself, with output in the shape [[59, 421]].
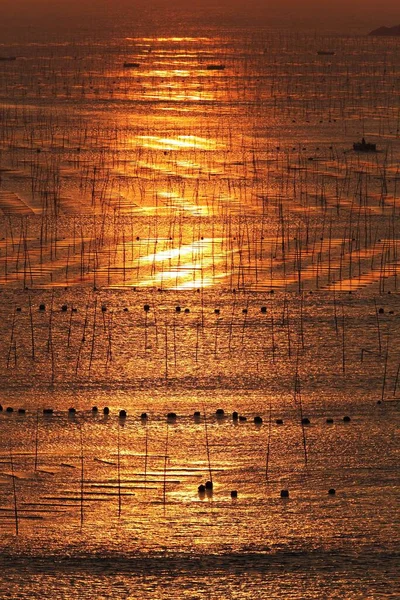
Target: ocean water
[[190, 233]]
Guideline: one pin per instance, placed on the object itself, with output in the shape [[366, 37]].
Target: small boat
[[131, 65], [364, 146], [8, 58], [326, 52], [215, 67]]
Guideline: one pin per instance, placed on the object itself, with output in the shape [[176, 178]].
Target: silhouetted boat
[[8, 58], [215, 67], [326, 52], [364, 146], [131, 65]]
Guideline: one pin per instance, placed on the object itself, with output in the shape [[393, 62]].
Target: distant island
[[386, 31]]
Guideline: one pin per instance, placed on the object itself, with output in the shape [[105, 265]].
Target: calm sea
[[186, 228]]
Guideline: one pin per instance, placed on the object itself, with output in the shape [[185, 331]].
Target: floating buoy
[[72, 411], [122, 414], [234, 494], [125, 309], [209, 485], [177, 309], [47, 411], [106, 410], [95, 409], [305, 421], [1, 408], [9, 409], [346, 419], [220, 412], [235, 416], [21, 411], [329, 421], [171, 416], [381, 311], [201, 489], [18, 309], [64, 308], [284, 493], [264, 309], [332, 492], [42, 307], [217, 311], [104, 308], [258, 420], [245, 311], [187, 310], [146, 308], [143, 416], [279, 421], [242, 418]]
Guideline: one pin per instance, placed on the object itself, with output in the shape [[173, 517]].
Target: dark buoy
[[220, 412], [171, 416], [332, 492], [42, 307], [242, 418], [9, 409], [122, 414], [201, 489], [379, 402], [146, 308], [258, 420], [381, 311], [18, 309], [209, 485], [104, 308], [95, 409], [245, 311], [305, 421], [329, 421], [126, 309], [234, 494], [264, 309], [279, 421], [235, 416], [187, 310], [178, 309], [21, 411], [64, 308], [346, 419], [106, 410], [1, 408], [72, 411], [284, 493], [143, 416], [197, 413], [217, 311], [47, 411]]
